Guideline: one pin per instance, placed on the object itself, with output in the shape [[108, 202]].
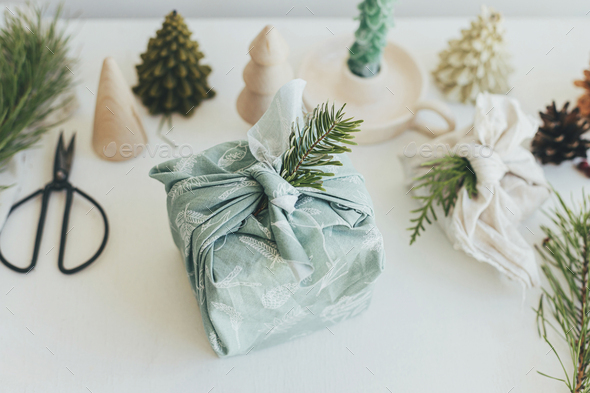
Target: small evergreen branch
[[566, 263], [324, 133], [36, 80], [444, 180]]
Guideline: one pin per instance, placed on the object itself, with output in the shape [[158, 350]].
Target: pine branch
[[35, 78], [444, 180], [566, 263], [324, 134]]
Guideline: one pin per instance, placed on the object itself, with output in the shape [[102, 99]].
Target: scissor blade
[[69, 154], [63, 158], [59, 156]]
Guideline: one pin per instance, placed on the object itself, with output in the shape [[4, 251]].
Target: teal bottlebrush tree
[[371, 37]]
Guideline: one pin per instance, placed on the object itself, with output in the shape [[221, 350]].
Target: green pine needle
[[566, 261], [35, 78], [324, 133], [444, 180]]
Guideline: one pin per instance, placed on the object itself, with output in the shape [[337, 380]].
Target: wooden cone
[[116, 122], [264, 74]]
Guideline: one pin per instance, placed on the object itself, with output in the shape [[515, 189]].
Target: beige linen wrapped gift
[[510, 186]]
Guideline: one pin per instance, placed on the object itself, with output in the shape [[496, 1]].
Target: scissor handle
[[64, 229], [45, 191]]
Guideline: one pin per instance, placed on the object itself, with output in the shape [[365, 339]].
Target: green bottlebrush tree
[[371, 37], [171, 80], [566, 256], [36, 79]]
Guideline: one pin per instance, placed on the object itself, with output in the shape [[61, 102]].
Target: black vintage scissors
[[61, 170]]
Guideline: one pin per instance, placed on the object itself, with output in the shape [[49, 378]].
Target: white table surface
[[439, 321]]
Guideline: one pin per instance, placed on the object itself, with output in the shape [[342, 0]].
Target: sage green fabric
[[307, 261]]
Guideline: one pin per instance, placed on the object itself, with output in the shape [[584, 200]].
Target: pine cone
[[560, 137], [584, 100], [170, 76]]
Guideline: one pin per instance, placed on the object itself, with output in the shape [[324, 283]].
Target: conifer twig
[[566, 267], [324, 133], [443, 181], [35, 78]]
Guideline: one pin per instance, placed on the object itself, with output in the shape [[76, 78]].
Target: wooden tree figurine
[[584, 99], [264, 74], [170, 76], [371, 37], [476, 62]]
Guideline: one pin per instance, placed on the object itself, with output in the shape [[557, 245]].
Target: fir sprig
[[443, 181], [35, 78], [324, 133], [566, 261]]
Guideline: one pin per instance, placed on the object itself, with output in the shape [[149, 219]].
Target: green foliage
[[36, 80], [171, 80], [443, 181], [371, 37], [324, 133], [565, 265]]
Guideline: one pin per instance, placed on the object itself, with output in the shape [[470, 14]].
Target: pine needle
[[444, 180], [324, 134], [35, 78], [566, 262]]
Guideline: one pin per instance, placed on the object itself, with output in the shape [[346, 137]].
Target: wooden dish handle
[[439, 108]]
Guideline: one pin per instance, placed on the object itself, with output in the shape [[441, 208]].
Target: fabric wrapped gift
[[510, 186], [307, 261]]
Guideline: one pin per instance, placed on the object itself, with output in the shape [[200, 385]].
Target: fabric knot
[[279, 192], [489, 169]]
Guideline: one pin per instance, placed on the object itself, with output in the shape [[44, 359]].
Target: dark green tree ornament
[[171, 80], [371, 37]]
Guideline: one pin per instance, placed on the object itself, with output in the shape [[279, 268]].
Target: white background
[[325, 8], [439, 322]]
